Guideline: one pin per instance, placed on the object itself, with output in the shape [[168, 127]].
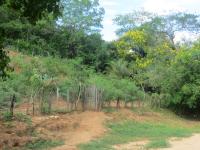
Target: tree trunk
[[118, 103], [49, 106], [33, 107]]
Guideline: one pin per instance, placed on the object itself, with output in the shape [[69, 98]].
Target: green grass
[[42, 145], [7, 117], [61, 111], [109, 110], [23, 118], [129, 131], [158, 143]]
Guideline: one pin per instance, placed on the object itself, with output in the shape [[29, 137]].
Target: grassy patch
[[61, 111], [158, 143], [42, 145], [129, 131], [142, 110], [109, 110], [23, 118], [7, 116]]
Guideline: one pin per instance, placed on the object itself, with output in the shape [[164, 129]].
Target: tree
[[165, 25], [22, 10], [35, 10], [132, 43], [176, 22], [4, 59], [182, 81], [84, 15], [131, 21], [120, 68]]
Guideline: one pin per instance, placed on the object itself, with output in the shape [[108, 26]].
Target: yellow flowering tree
[[134, 39]]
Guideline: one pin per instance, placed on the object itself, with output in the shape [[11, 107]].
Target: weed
[[23, 118], [7, 116], [42, 144]]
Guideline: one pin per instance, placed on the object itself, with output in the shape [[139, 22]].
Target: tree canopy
[[35, 10], [85, 15], [163, 25]]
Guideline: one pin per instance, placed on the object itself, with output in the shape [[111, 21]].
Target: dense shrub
[[183, 81]]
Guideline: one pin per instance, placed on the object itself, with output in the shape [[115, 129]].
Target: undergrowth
[[42, 144]]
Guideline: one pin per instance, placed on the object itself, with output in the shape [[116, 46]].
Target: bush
[[7, 116], [114, 88], [182, 82], [23, 118]]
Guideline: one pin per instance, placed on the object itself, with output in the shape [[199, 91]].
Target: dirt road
[[191, 143]]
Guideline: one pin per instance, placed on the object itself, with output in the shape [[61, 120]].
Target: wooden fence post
[[12, 105]]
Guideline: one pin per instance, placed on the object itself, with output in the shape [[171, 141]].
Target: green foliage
[[9, 87], [119, 68], [23, 118], [73, 35], [34, 10], [168, 77], [132, 43], [130, 21], [43, 144], [158, 26], [39, 78], [7, 116], [109, 110], [161, 143], [13, 22], [85, 15], [130, 131], [184, 86], [114, 88], [144, 63], [4, 60]]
